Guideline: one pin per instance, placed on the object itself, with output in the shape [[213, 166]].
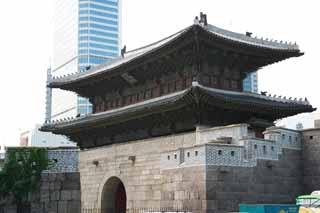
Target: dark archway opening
[[114, 198]]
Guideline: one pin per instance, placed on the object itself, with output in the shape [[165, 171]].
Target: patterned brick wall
[[63, 160]]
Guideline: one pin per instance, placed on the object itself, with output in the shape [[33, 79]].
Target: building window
[[220, 152], [196, 153], [232, 153], [214, 80], [290, 138], [283, 136], [234, 84], [272, 148], [188, 154], [175, 156], [206, 80], [264, 149], [171, 87], [168, 157], [310, 137], [226, 83], [148, 94], [255, 146]]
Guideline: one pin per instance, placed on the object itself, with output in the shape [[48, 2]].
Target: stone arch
[[113, 196]]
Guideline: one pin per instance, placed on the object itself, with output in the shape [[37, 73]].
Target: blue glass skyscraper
[[86, 34], [250, 83]]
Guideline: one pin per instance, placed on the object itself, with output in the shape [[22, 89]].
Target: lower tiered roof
[[259, 106]]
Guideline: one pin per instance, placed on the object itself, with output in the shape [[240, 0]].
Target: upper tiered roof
[[274, 50]]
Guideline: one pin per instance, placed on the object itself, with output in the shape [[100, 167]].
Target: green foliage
[[21, 173]]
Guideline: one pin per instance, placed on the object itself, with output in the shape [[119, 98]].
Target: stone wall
[[178, 172], [59, 193], [138, 166], [311, 160], [268, 182]]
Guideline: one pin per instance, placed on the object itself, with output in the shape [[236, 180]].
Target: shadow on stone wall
[[59, 192]]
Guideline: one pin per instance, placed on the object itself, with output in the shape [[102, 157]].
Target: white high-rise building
[[86, 33]]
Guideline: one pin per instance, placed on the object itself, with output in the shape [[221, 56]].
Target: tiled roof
[[137, 53], [247, 100]]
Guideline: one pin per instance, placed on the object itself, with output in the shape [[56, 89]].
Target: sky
[[26, 47]]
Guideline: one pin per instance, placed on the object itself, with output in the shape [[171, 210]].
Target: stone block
[[52, 177], [57, 185], [44, 185], [52, 206], [65, 195], [44, 196], [63, 207], [10, 209], [71, 185], [36, 207], [211, 204], [74, 206], [54, 195], [44, 176], [61, 177], [76, 195], [73, 176]]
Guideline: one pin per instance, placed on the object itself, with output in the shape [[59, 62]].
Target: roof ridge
[[256, 95], [250, 40], [151, 44]]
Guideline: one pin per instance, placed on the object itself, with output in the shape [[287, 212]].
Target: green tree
[[21, 173]]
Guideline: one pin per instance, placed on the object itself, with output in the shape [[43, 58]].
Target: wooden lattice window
[[234, 84]]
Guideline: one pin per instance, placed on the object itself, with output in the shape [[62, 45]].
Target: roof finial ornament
[[203, 19], [249, 34], [123, 50], [196, 21], [263, 93]]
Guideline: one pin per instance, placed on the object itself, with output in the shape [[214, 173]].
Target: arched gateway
[[114, 198]]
